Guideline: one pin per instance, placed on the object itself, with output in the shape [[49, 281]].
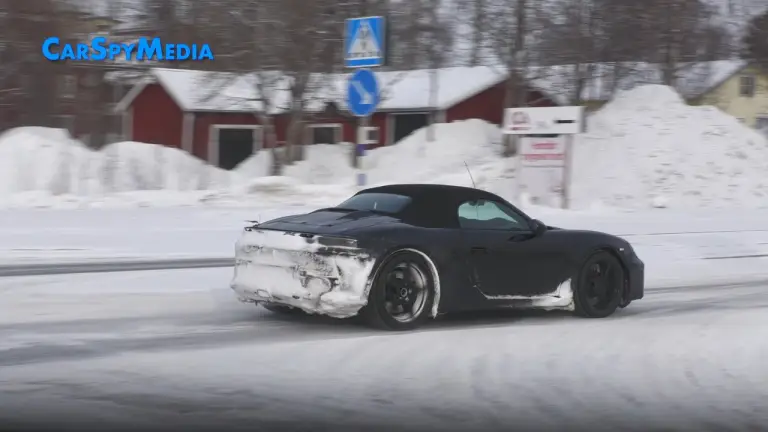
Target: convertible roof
[[433, 192], [432, 205]]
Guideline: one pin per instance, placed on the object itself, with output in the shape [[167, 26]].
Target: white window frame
[[338, 135], [376, 130], [749, 83], [68, 86], [213, 139]]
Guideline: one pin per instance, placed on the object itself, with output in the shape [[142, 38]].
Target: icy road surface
[[171, 348]]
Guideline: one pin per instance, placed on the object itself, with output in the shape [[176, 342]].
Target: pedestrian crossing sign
[[364, 42]]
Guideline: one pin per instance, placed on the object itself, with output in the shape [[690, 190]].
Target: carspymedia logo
[[100, 49]]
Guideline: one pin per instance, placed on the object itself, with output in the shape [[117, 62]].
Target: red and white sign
[[568, 120], [543, 152]]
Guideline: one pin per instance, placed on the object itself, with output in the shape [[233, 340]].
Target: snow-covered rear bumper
[[303, 271]]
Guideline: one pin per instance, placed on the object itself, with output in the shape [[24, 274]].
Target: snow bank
[[326, 164], [648, 148], [472, 143], [414, 159], [41, 165]]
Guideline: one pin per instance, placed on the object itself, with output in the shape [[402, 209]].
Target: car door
[[507, 258]]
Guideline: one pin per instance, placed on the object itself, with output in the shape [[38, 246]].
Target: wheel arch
[[387, 255], [612, 250]]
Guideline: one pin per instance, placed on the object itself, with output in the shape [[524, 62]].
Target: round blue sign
[[363, 93]]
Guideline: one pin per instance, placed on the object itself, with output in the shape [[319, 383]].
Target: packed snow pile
[[322, 164], [41, 161], [458, 149], [648, 148], [325, 176], [414, 159]]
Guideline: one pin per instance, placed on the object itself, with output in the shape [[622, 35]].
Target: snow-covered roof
[[195, 90], [604, 79]]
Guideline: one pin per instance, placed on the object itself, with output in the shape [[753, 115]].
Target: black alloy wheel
[[402, 294], [599, 286]]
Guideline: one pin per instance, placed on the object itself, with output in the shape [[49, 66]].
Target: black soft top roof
[[420, 191], [433, 205]]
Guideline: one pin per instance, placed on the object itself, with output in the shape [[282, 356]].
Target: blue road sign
[[362, 93], [364, 41]]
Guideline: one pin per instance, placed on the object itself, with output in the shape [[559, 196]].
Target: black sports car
[[397, 255]]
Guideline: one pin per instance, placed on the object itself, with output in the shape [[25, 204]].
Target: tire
[[404, 278], [283, 310], [599, 286]]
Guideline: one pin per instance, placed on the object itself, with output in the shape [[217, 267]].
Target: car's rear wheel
[[402, 293], [599, 286]]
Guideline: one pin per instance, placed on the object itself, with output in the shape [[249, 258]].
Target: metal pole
[[567, 169], [361, 144]]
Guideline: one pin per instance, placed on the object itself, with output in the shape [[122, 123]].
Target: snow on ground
[[172, 348]]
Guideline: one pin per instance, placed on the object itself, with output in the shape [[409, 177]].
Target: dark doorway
[[324, 135], [235, 146], [406, 124]]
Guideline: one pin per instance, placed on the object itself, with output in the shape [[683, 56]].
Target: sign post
[[546, 149], [364, 47]]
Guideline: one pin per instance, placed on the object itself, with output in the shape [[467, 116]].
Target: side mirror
[[539, 227]]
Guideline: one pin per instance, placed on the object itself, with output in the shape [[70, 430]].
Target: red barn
[[215, 115]]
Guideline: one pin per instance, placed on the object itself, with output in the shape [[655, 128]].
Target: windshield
[[378, 202]]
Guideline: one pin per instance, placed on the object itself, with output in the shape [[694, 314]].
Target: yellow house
[[743, 94], [736, 87]]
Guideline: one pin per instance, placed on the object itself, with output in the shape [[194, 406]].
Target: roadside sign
[[364, 42], [545, 149], [362, 93], [544, 120], [542, 152]]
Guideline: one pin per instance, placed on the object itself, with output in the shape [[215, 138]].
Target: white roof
[[603, 79], [195, 90]]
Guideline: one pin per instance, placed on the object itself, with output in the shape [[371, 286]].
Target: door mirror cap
[[539, 227]]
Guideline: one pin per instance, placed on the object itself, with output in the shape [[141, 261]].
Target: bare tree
[[576, 40], [28, 81], [513, 35], [433, 42], [755, 40], [286, 50]]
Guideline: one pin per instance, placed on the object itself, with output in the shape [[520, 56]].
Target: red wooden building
[[214, 115]]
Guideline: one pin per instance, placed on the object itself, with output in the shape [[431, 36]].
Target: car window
[[380, 202], [490, 215]]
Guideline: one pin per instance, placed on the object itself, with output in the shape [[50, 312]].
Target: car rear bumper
[[286, 269]]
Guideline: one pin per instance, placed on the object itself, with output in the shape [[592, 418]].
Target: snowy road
[[174, 348]]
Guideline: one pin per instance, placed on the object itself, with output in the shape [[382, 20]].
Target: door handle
[[479, 250]]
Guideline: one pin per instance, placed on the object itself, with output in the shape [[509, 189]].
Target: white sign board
[[542, 163], [544, 120]]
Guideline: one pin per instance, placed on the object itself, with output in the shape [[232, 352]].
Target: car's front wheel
[[599, 286], [402, 293]]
